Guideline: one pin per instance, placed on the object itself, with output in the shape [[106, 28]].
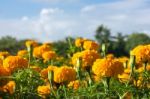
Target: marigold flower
[[110, 56], [141, 69], [138, 82], [15, 62], [10, 87], [87, 56], [1, 62], [74, 84], [38, 51], [142, 53], [22, 53], [79, 42], [30, 43], [4, 54], [96, 78], [124, 77], [124, 60], [44, 72], [44, 90], [107, 67], [4, 71], [90, 45], [49, 55], [64, 74]]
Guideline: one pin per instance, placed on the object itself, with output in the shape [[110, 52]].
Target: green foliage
[[102, 34], [120, 44], [136, 39], [27, 81], [11, 45]]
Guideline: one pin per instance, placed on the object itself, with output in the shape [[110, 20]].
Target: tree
[[11, 45], [102, 34], [119, 45], [136, 39]]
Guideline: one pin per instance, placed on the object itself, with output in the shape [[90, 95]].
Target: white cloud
[[125, 16], [24, 18]]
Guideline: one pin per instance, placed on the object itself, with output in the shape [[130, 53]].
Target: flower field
[[86, 71]]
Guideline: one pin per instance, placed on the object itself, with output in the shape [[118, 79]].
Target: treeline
[[119, 45]]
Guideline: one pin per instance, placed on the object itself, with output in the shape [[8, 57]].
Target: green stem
[[145, 64]]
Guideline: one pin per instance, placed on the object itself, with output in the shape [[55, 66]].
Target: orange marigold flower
[[3, 55], [15, 62], [1, 62], [43, 90], [90, 45], [87, 56], [38, 51], [49, 55], [107, 67], [30, 43], [74, 84], [22, 53], [64, 74], [4, 71], [44, 72], [10, 87], [142, 53], [110, 56]]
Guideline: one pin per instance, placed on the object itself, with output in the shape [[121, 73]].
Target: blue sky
[[50, 20]]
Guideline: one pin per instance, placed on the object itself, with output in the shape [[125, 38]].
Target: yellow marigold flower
[[49, 55], [138, 82], [64, 74], [79, 42], [128, 70], [142, 53], [3, 55], [10, 87], [90, 45], [44, 90], [44, 72], [141, 69], [110, 56], [4, 71], [38, 51], [107, 67], [30, 43], [15, 62], [124, 60], [87, 56], [124, 77], [22, 53], [74, 84]]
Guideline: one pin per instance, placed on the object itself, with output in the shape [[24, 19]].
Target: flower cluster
[[87, 57], [107, 67]]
